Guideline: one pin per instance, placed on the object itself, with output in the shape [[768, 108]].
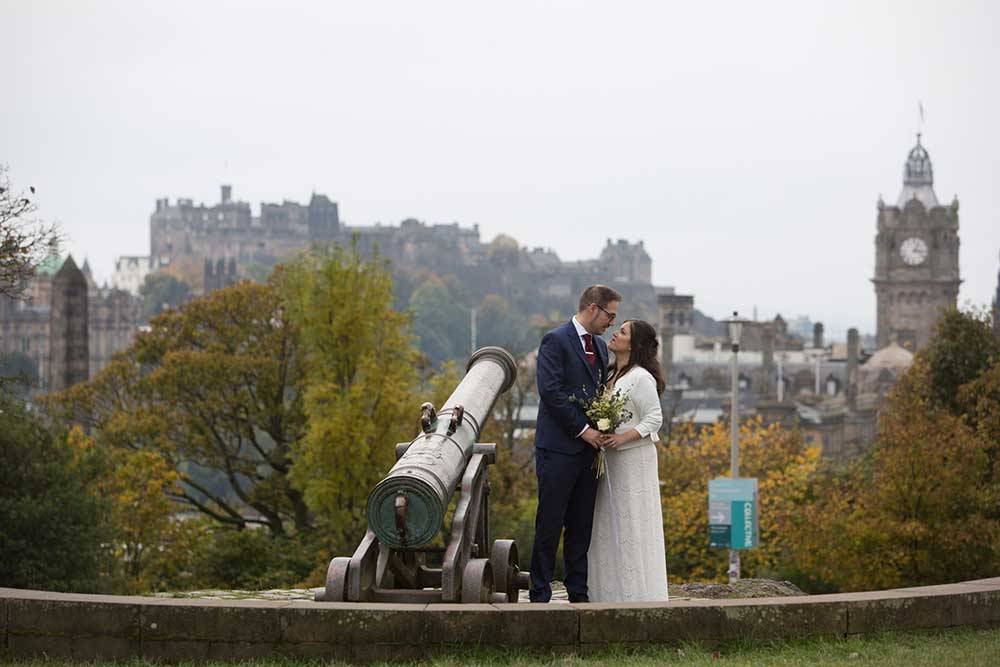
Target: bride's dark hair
[[645, 352]]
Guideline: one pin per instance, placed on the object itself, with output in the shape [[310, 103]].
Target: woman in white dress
[[627, 559]]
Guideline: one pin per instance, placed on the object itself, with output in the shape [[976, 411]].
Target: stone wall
[[87, 627]]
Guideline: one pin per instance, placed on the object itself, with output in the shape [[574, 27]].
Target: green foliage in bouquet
[[605, 412]]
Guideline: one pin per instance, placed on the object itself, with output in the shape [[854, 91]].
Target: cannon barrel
[[406, 509]]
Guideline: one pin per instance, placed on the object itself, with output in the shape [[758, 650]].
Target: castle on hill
[[211, 246]]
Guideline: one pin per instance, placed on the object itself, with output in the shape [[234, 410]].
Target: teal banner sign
[[732, 513]]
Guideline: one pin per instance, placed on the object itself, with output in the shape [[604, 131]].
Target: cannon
[[406, 510]]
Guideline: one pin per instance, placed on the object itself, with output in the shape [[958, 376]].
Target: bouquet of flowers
[[606, 412]]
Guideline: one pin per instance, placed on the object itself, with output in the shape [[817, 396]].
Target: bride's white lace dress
[[627, 558]]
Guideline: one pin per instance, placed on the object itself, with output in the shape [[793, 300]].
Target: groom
[[572, 361]]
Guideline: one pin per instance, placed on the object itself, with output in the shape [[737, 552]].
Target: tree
[[361, 383], [215, 390], [18, 374], [440, 321], [161, 291], [924, 506], [140, 488], [52, 526], [24, 241], [918, 511], [780, 461], [962, 348], [210, 408], [498, 324]]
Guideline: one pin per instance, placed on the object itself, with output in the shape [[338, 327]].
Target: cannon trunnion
[[406, 510]]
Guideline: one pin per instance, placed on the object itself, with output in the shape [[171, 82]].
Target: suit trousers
[[567, 490]]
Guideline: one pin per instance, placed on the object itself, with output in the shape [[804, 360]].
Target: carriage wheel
[[336, 581], [477, 581], [503, 558]]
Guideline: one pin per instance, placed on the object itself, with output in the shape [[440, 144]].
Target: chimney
[[818, 335], [852, 367], [227, 193]]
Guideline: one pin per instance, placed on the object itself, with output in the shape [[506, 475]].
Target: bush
[[251, 560], [52, 526]]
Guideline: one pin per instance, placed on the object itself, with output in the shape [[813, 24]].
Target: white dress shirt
[[580, 333]]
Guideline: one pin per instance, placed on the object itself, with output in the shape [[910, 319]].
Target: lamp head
[[735, 325]]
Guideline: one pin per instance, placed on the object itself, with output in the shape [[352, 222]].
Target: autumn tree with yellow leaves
[[274, 405], [361, 388], [214, 389], [777, 457]]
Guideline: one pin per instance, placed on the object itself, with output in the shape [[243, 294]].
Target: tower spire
[[918, 177]]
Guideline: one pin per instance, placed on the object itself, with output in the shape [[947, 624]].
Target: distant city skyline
[[745, 145]]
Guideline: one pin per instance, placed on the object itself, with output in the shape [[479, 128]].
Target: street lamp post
[[819, 356], [735, 325], [781, 378], [472, 331]]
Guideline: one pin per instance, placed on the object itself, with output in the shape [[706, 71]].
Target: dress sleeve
[[647, 404]]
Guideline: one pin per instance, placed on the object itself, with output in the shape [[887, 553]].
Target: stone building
[[113, 317], [130, 273], [183, 235], [825, 390], [831, 392], [69, 350], [219, 274], [627, 263], [916, 257], [212, 246]]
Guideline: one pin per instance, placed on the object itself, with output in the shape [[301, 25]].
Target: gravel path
[[747, 588]]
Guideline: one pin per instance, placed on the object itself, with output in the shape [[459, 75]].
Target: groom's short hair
[[602, 295]]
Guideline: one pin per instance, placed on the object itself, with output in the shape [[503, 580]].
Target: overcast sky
[[745, 143]]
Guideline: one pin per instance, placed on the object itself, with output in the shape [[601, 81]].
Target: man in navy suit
[[572, 361]]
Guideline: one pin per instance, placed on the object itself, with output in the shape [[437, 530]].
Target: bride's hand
[[614, 440]]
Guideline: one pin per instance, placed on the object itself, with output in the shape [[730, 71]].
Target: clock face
[[913, 251]]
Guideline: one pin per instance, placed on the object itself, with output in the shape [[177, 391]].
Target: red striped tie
[[588, 346]]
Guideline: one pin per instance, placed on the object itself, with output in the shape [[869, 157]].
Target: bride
[[627, 559]]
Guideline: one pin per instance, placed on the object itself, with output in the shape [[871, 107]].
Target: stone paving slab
[[559, 594]]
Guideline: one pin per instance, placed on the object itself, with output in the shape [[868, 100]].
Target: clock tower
[[916, 258]]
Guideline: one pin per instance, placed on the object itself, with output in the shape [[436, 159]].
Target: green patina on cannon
[[395, 561]]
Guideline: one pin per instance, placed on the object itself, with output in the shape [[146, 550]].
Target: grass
[[952, 648]]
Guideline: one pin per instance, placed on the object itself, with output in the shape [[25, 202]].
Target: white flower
[[604, 424]]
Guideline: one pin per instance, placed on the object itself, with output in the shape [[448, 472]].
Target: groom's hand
[[592, 437]]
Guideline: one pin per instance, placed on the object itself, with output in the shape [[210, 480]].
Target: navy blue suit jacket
[[563, 371]]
